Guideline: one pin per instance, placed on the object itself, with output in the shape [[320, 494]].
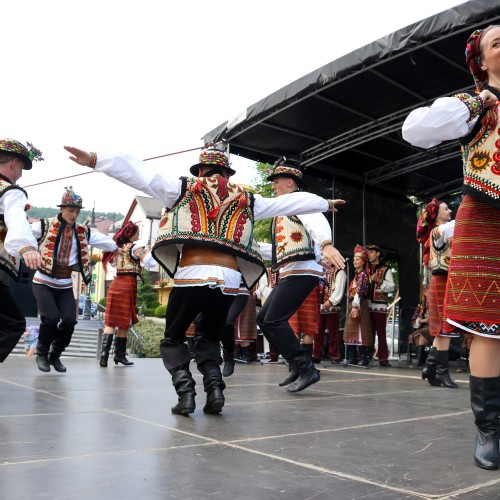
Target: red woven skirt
[[245, 327], [120, 303], [436, 297], [473, 289], [305, 320]]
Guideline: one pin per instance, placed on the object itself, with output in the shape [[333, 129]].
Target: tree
[[146, 293], [262, 228]]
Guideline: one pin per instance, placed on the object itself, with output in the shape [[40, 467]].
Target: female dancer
[[121, 310], [473, 288]]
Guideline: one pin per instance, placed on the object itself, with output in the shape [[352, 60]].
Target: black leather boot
[[214, 385], [485, 403], [429, 370], [229, 362], [293, 373], [42, 357], [308, 374], [184, 387], [352, 355], [442, 372], [365, 356], [246, 354], [421, 355], [121, 351], [56, 362], [107, 340]]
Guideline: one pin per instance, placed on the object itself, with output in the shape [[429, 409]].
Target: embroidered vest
[[359, 284], [126, 264], [375, 293], [210, 212], [49, 246], [8, 263], [439, 258], [291, 241], [481, 157]]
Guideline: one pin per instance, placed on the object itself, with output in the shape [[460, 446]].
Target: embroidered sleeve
[[475, 105]]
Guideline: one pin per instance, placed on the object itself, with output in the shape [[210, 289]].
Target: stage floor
[[96, 433]]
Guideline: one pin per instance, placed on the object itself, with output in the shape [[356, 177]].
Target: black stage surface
[[96, 433]]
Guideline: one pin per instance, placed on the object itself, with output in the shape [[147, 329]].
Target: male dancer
[[16, 239], [295, 241], [204, 241], [381, 284], [64, 246]]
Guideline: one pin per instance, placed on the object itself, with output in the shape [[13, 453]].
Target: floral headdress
[[27, 154], [70, 198], [286, 169]]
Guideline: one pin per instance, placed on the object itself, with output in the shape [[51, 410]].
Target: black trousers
[[239, 303], [283, 301], [12, 323], [57, 308], [210, 307]]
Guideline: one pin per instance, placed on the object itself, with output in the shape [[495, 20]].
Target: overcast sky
[[152, 77]]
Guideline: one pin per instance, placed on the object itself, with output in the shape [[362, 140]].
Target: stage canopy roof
[[345, 118]]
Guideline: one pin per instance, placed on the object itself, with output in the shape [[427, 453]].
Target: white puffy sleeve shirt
[[445, 120]]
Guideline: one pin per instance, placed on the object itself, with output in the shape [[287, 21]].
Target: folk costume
[[205, 241], [437, 250], [473, 287], [64, 248], [121, 311], [421, 336], [378, 304], [358, 331], [15, 239], [295, 253], [332, 290]]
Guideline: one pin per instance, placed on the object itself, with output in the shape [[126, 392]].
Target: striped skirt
[[473, 289], [120, 303], [306, 320], [359, 331], [436, 297], [245, 327]]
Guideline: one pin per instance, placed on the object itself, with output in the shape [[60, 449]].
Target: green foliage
[[160, 311], [48, 212], [146, 294], [152, 333], [262, 228], [149, 311], [103, 302]]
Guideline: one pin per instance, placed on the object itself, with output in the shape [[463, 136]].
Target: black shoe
[[229, 363], [215, 401], [308, 374], [42, 361], [56, 363], [185, 406], [292, 376], [385, 364], [121, 351], [429, 370]]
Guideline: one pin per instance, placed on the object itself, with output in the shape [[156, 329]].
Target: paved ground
[[96, 433]]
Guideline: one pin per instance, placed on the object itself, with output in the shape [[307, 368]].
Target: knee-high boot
[[352, 355], [429, 370], [365, 356], [442, 372], [55, 361], [184, 387], [214, 385], [42, 357], [107, 340], [121, 351], [308, 374], [485, 403], [293, 369], [229, 363]]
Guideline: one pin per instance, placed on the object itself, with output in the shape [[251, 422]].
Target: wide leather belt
[[206, 256], [62, 272]]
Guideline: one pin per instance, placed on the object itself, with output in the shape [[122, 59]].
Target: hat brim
[[72, 206], [298, 180], [196, 168], [28, 164]]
